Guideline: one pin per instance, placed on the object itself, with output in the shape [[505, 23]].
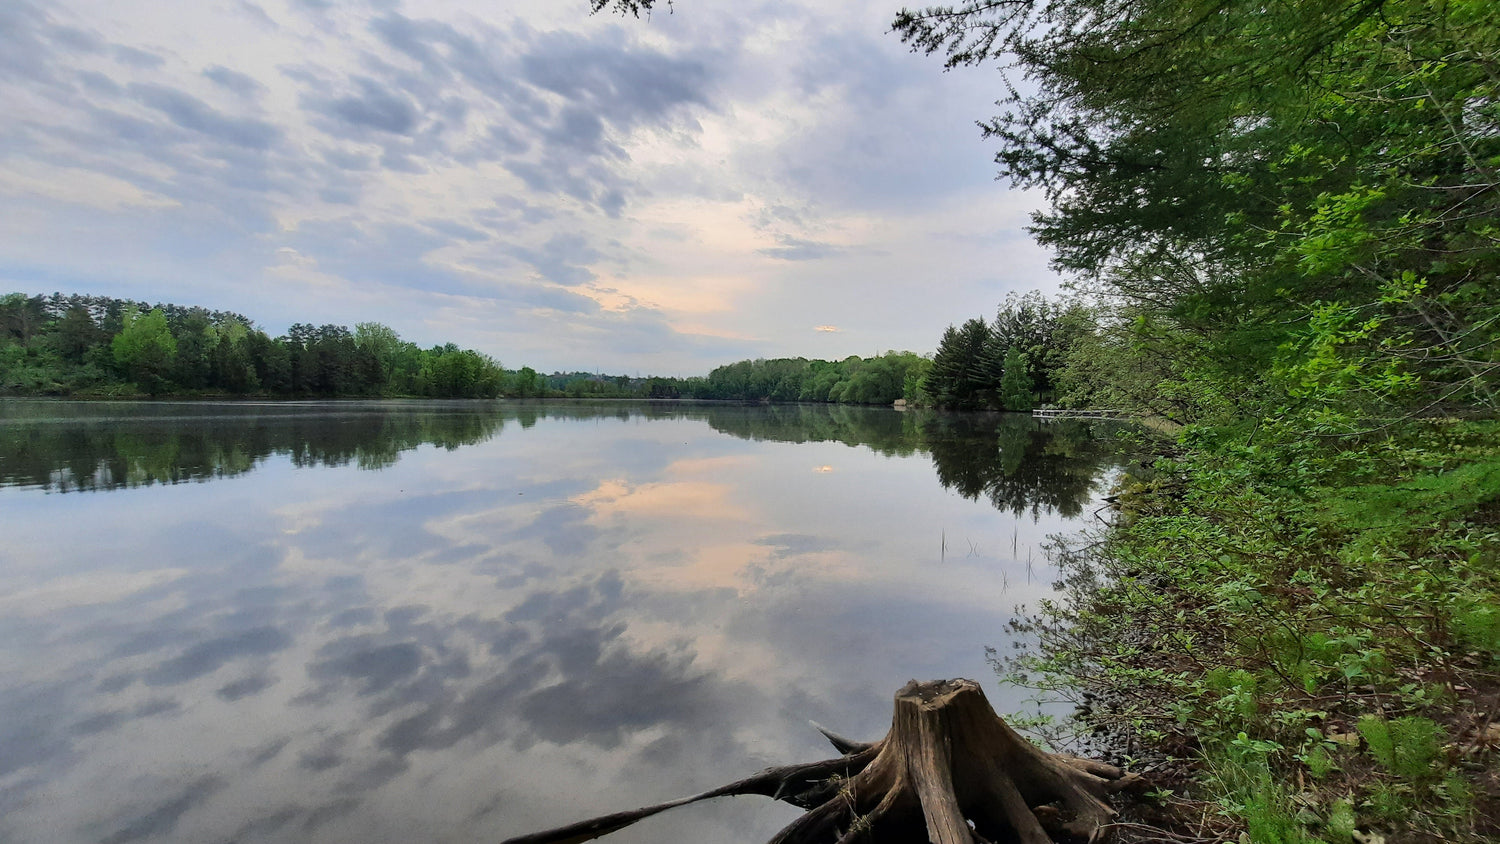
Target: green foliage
[[381, 349], [1015, 384], [963, 374], [854, 380], [1475, 621], [527, 383], [450, 371], [1341, 823], [1260, 602], [913, 385], [1407, 747], [145, 348], [1319, 761], [1306, 200], [1009, 363], [1252, 791], [59, 345], [1383, 512]]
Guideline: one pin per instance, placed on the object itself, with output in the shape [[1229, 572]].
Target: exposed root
[[948, 762]]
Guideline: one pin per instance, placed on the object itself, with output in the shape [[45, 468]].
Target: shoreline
[[1297, 663]]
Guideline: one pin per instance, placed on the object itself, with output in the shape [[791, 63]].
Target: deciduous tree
[[145, 349]]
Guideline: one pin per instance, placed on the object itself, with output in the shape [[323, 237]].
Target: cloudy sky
[[565, 191]]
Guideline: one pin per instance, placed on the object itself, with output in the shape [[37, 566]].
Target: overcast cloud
[[554, 189]]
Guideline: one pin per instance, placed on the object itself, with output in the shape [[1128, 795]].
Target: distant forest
[[1035, 350], [98, 346]]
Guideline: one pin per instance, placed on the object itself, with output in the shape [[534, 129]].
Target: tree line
[[59, 344], [97, 345], [854, 380], [1011, 363], [878, 380], [1036, 350]]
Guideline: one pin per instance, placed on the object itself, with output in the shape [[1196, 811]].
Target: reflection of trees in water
[[90, 454], [878, 429], [1015, 462], [70, 446], [1018, 463]]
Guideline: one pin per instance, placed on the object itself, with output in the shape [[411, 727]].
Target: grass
[[1301, 646]]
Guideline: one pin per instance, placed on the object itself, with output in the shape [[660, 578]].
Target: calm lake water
[[392, 621]]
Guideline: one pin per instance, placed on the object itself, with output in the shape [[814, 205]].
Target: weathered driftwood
[[948, 762]]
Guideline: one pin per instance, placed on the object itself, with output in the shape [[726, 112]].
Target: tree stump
[[950, 771]]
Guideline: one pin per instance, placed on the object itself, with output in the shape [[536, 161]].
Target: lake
[[448, 621]]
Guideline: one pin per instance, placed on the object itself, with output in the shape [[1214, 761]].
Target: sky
[[555, 189]]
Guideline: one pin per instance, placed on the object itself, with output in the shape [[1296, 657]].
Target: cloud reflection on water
[[580, 615]]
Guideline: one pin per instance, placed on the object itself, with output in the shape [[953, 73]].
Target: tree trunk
[[950, 771]]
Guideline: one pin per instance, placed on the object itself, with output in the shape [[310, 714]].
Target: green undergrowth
[[1300, 642]]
